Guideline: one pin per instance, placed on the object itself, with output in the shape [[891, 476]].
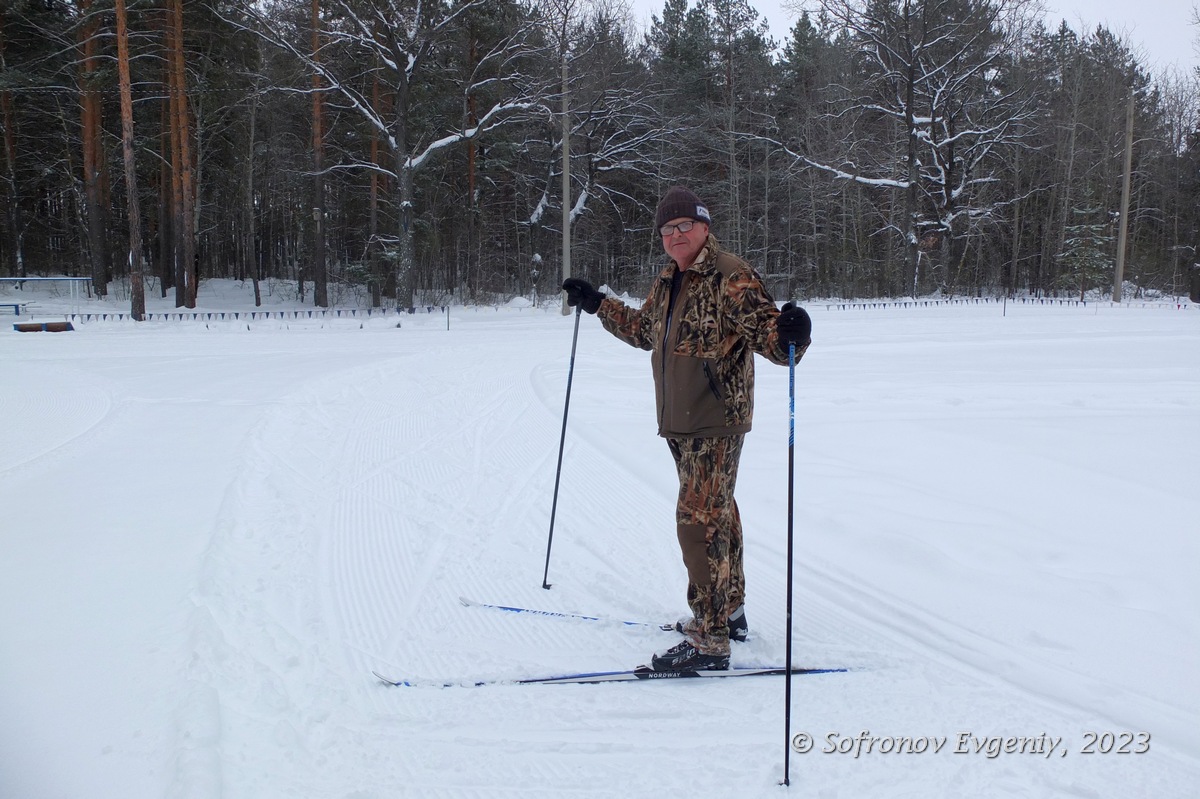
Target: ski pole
[[787, 690], [561, 442]]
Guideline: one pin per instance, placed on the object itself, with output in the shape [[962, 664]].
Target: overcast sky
[[1160, 29]]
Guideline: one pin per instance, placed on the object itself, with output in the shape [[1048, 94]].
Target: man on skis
[[704, 317]]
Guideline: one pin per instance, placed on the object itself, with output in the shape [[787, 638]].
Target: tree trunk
[[374, 262], [185, 198], [912, 254], [177, 281], [766, 210], [93, 150], [405, 267], [14, 247], [473, 235], [1011, 269], [166, 193], [250, 263], [1126, 177], [137, 294]]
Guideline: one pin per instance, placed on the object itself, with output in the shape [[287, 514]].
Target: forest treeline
[[412, 152]]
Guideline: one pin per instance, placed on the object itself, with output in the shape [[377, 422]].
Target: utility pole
[[320, 273], [1123, 228], [566, 166]]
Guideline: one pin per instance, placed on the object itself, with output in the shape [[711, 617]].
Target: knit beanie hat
[[678, 203]]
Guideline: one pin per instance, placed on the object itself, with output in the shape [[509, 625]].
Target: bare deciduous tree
[[931, 114], [400, 39]]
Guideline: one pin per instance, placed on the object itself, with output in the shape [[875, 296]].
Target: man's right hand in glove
[[793, 325], [581, 293]]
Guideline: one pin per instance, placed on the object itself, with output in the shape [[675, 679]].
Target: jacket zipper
[[672, 298]]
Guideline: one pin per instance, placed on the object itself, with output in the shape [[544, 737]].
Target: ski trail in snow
[[48, 410], [501, 451], [261, 633], [365, 503]]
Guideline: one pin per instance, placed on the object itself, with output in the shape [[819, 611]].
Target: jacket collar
[[706, 262]]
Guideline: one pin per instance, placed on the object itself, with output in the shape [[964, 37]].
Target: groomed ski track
[[417, 480], [418, 467]]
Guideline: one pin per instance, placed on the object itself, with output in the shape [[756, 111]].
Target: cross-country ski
[[553, 614], [642, 674]]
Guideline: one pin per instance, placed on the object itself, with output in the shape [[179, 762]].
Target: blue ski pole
[[787, 690]]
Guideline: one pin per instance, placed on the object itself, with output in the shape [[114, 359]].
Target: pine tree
[[1086, 258]]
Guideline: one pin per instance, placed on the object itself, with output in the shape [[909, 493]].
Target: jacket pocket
[[694, 401]]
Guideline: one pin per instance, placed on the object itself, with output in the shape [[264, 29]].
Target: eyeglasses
[[682, 227]]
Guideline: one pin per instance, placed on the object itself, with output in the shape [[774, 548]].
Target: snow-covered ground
[[212, 531]]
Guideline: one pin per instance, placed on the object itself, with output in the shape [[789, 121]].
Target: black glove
[[581, 293], [793, 325]]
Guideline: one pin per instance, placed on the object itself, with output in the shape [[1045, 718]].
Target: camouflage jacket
[[704, 363]]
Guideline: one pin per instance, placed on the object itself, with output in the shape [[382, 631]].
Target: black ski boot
[[685, 657]]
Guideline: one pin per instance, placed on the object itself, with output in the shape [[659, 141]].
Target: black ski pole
[[561, 442], [787, 690]]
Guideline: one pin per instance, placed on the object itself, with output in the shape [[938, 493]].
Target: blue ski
[[640, 673], [471, 603]]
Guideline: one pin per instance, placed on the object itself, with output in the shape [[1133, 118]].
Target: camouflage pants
[[710, 535]]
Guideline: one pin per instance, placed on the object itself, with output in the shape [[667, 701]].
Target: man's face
[[683, 246]]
